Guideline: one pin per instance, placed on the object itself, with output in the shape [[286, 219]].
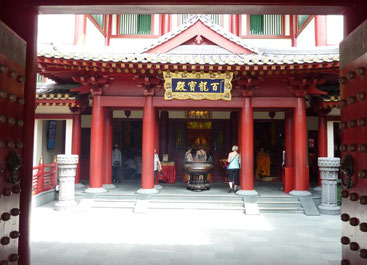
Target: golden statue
[[262, 164]]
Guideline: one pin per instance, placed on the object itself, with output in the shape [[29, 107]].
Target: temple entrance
[[268, 148], [128, 135]]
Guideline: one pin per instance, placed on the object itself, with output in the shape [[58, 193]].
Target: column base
[[65, 205], [300, 193], [329, 210], [247, 193], [317, 189], [158, 187], [79, 185], [147, 191], [95, 190], [109, 186]]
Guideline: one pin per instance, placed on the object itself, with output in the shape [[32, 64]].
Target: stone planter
[[66, 166], [329, 168]]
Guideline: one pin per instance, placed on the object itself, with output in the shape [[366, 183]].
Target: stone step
[[279, 204], [196, 206], [113, 204], [277, 199], [281, 210]]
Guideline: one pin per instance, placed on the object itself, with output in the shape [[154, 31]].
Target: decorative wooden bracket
[[303, 86], [246, 86], [150, 84]]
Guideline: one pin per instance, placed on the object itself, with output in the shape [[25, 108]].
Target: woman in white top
[[157, 165]]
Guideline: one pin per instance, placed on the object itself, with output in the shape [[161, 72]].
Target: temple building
[[169, 82]]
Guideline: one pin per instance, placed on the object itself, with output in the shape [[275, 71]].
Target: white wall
[[58, 29], [127, 45], [37, 142], [93, 38], [307, 37], [334, 27]]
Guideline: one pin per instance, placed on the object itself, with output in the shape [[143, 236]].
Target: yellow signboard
[[197, 86]]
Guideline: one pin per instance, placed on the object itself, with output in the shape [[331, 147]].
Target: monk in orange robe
[[262, 164]]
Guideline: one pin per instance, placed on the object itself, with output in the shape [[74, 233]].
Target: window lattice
[[266, 25], [135, 24]]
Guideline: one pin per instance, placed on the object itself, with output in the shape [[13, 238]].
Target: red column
[[76, 142], [293, 30], [320, 31], [163, 130], [107, 148], [235, 24], [233, 128], [322, 140], [300, 144], [239, 131], [288, 180], [247, 149], [96, 147], [108, 29], [147, 177]]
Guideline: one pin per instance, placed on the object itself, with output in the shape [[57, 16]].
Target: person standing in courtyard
[[234, 160], [116, 164], [157, 166]]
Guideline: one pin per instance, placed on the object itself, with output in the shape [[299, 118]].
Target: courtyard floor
[[118, 236]]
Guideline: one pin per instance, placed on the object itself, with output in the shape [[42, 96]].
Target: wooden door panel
[[353, 80], [12, 70]]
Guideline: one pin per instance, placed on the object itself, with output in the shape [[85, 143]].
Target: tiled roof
[[221, 59]]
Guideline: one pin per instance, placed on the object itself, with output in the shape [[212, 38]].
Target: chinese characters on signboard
[[212, 86]]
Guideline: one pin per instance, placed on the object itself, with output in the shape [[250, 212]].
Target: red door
[[12, 65], [353, 84]]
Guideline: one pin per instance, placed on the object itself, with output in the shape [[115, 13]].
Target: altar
[[168, 173]]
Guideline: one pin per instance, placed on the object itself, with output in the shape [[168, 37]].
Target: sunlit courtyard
[[117, 236]]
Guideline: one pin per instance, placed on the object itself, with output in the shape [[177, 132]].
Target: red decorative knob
[[345, 217], [354, 221], [345, 262], [13, 257], [354, 246], [15, 212], [5, 216], [14, 234], [345, 240], [5, 241], [363, 253], [363, 227], [354, 196]]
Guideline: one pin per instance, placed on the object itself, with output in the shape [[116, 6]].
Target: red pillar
[[322, 140], [147, 176], [233, 128], [108, 29], [163, 130], [234, 26], [247, 149], [300, 144], [76, 142], [293, 30], [320, 31], [288, 180], [96, 147], [107, 148], [156, 137]]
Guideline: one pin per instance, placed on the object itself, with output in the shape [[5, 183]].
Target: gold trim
[[225, 95]]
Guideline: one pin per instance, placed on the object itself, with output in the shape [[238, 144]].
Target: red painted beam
[[122, 102], [236, 103], [274, 102]]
